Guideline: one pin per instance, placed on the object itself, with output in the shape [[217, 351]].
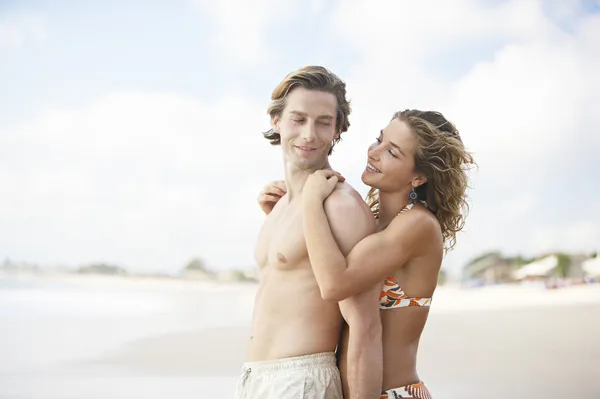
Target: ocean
[[53, 331]]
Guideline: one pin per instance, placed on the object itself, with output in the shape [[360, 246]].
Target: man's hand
[[270, 194], [320, 185]]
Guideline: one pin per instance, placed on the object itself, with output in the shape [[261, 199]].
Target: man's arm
[[350, 222]]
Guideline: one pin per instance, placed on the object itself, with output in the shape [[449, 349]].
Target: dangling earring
[[412, 196]]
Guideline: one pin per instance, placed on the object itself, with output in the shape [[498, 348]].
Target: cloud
[[240, 28], [248, 33], [152, 179], [16, 30], [146, 179], [525, 101]]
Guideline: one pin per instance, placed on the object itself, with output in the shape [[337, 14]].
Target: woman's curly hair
[[442, 158]]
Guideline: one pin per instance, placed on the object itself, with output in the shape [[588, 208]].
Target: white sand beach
[[186, 340]]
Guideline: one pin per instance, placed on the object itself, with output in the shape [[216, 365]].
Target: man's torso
[[290, 317]]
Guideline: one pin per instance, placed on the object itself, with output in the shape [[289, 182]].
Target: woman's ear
[[419, 180]]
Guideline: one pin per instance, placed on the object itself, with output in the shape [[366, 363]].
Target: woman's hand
[[320, 185], [270, 194]]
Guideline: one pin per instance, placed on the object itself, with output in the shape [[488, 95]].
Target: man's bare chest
[[281, 242]]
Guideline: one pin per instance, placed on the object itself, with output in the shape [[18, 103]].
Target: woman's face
[[391, 161]]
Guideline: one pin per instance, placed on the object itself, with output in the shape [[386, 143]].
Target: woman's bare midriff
[[401, 333], [291, 318]]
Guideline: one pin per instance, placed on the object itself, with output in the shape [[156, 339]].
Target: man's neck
[[295, 178]]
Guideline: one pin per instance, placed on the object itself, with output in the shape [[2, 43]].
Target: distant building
[[567, 268], [488, 269], [537, 270], [576, 271], [591, 268]]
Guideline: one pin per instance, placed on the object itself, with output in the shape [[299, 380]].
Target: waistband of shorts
[[323, 359]]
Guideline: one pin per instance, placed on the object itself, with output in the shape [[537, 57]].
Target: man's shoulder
[[346, 203], [344, 195]]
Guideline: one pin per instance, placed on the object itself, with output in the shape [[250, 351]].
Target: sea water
[[50, 330]]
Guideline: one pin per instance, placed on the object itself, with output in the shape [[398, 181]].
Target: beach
[[113, 337]]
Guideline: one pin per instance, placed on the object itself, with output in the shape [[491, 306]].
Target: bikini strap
[[411, 205]]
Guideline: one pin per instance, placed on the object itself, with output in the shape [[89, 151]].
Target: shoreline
[[115, 281], [447, 298]]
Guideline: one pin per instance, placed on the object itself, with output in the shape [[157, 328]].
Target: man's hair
[[310, 78]]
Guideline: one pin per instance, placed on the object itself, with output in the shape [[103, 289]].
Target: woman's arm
[[363, 375], [371, 260]]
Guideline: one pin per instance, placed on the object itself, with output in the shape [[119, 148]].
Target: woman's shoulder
[[418, 221]]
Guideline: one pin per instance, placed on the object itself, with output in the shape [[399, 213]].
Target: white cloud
[[241, 27], [244, 32], [153, 179], [149, 180], [18, 29], [527, 110], [521, 107]]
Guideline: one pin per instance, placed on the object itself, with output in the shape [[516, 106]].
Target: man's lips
[[304, 148]]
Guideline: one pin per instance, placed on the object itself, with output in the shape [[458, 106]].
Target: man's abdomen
[[291, 319]]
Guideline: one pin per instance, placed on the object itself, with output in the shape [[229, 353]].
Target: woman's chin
[[368, 178], [364, 178]]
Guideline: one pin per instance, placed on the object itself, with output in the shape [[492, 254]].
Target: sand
[[532, 344]]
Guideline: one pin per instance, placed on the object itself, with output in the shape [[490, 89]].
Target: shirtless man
[[295, 332]]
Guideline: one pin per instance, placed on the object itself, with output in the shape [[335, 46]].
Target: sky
[[130, 131]]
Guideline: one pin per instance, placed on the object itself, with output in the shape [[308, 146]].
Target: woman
[[417, 170]]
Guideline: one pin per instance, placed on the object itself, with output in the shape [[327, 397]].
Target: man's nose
[[308, 132]]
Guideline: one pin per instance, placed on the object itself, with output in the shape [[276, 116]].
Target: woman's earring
[[412, 196]]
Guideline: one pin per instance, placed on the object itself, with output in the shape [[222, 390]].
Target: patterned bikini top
[[393, 296]]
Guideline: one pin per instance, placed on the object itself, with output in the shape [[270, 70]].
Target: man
[[295, 332]]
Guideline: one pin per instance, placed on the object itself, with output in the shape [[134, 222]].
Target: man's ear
[[275, 123]]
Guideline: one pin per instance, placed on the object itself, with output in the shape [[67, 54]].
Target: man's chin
[[306, 163]]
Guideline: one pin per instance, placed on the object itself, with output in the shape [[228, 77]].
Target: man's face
[[307, 127]]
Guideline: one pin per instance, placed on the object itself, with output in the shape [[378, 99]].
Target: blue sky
[[95, 48], [130, 131]]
